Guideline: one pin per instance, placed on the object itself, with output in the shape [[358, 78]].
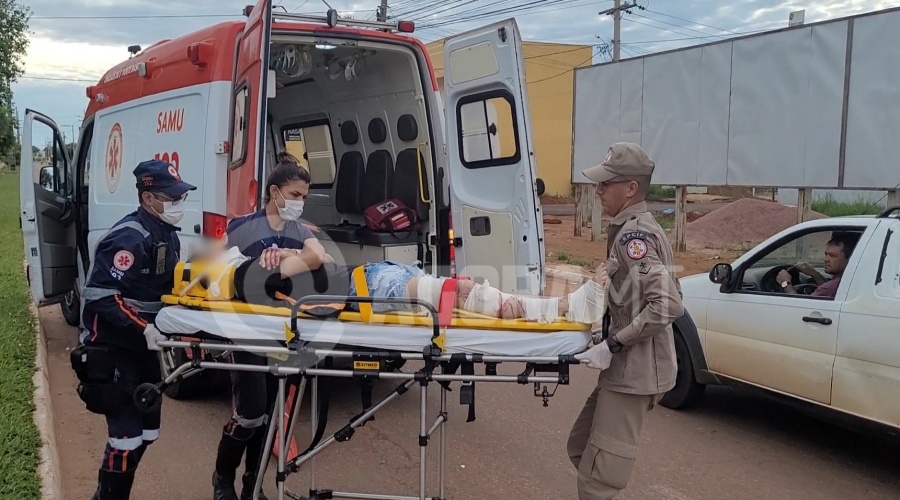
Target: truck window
[[310, 143], [489, 136]]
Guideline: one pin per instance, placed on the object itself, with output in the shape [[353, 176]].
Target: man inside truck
[[837, 254]]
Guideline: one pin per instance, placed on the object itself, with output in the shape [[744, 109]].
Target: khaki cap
[[623, 159]]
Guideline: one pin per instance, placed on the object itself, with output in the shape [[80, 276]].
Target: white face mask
[[292, 209], [173, 211]]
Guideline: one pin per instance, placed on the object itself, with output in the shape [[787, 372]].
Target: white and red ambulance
[[357, 101]]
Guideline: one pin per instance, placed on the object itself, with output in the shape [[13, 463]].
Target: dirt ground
[[564, 248]]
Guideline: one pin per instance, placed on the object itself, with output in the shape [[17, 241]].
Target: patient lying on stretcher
[[276, 275]]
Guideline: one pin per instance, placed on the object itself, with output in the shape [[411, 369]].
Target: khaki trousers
[[603, 441]]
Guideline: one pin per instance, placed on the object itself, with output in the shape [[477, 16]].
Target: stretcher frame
[[301, 358]]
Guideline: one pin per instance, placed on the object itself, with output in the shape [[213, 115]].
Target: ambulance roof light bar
[[332, 19]]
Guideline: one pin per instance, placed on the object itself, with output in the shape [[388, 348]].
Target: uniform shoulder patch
[[636, 248], [123, 260], [633, 235]]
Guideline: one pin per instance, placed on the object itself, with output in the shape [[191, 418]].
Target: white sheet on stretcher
[[236, 327]]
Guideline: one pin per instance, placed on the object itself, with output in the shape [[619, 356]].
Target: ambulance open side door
[[47, 209], [497, 226], [252, 89]]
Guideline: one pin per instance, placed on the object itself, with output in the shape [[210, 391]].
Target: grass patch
[[660, 193], [566, 258], [19, 438], [665, 221], [827, 205]]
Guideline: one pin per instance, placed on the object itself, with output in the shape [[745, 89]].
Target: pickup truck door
[[490, 155], [867, 364], [47, 209], [775, 340], [248, 128]]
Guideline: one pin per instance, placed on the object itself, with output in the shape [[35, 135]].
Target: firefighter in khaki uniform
[[636, 349]]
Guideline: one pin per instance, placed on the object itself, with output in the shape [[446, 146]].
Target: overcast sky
[[63, 48]]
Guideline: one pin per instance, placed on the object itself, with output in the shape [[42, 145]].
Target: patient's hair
[[287, 170]]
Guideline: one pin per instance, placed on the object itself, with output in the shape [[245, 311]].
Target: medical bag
[[389, 216]]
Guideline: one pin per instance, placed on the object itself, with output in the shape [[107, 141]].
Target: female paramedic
[[266, 235]]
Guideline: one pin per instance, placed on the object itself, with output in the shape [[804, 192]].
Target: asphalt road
[[735, 445]]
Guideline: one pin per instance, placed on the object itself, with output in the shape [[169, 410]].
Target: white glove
[[598, 357], [153, 336]]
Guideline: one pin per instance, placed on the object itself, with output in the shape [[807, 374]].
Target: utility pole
[[616, 11], [382, 11], [587, 207]]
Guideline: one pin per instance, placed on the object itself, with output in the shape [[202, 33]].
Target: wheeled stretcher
[[302, 345]]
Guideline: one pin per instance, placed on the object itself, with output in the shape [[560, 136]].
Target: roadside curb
[[567, 272], [48, 468]]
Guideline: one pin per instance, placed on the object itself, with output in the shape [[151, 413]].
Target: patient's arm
[[292, 262]]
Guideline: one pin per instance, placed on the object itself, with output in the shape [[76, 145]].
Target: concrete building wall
[[548, 76]]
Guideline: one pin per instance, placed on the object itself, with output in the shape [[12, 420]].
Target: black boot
[[253, 459], [227, 460], [113, 485], [249, 478]]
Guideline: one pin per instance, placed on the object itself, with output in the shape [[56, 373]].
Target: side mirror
[[720, 273], [47, 177]]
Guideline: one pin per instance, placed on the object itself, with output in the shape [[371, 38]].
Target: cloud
[[85, 48]]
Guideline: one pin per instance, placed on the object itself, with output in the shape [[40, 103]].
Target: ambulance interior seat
[[348, 186], [410, 167], [359, 186]]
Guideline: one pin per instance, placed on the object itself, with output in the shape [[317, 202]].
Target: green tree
[[13, 46]]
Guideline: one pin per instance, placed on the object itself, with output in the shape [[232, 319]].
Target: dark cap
[[622, 159], [161, 177]]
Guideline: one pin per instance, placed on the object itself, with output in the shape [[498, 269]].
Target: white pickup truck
[[840, 352]]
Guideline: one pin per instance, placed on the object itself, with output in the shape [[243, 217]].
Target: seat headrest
[[377, 131], [349, 132], [407, 129]]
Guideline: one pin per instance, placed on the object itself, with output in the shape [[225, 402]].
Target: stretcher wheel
[[147, 398]]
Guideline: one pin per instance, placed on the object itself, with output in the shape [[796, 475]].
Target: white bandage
[[428, 290], [586, 304], [484, 299], [540, 309]]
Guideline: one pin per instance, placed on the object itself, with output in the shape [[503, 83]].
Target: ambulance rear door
[[248, 127], [47, 209], [490, 155]]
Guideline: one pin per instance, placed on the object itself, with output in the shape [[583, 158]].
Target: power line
[[594, 53], [687, 20]]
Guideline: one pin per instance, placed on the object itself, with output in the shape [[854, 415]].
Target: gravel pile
[[741, 224]]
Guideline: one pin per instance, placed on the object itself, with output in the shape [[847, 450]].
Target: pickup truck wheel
[[71, 307], [686, 390], [193, 386]]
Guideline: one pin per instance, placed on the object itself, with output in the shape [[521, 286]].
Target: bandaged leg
[[484, 299], [586, 305], [540, 309]]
